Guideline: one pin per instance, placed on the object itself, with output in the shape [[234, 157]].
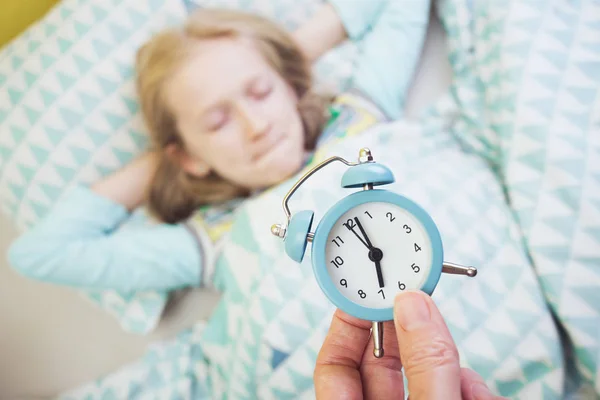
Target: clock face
[[376, 250]]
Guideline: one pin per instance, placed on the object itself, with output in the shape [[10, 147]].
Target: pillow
[[528, 81], [69, 112]]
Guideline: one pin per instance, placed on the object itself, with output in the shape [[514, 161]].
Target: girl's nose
[[256, 123]]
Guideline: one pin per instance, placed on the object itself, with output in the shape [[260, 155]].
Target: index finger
[[337, 371]]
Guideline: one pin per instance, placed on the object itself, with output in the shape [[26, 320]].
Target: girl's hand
[[321, 33], [129, 185]]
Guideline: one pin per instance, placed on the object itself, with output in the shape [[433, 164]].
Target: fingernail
[[480, 392], [411, 311]]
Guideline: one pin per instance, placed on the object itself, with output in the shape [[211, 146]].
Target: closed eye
[[216, 119], [261, 89]]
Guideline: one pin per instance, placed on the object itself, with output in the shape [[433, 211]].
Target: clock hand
[[369, 245], [379, 274], [375, 255], [357, 235]]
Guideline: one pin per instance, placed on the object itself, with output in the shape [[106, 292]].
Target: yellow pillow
[[17, 15]]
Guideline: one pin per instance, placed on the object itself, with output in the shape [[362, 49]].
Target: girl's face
[[237, 116]]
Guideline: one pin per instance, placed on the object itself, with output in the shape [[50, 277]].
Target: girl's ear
[[197, 168]]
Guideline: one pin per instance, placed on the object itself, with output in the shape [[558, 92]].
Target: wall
[[17, 15]]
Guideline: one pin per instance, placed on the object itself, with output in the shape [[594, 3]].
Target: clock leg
[[456, 269], [378, 339]]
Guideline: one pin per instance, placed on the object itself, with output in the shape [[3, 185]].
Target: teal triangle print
[[552, 285], [551, 82], [65, 13], [590, 295], [283, 395], [54, 135], [132, 105], [99, 12], [269, 308], [18, 134], [558, 59], [509, 387], [520, 49], [534, 370], [101, 48], [563, 225], [565, 37], [558, 254], [98, 137], [575, 167], [82, 64], [30, 79], [81, 155], [53, 192], [65, 81], [17, 62], [47, 61], [581, 120], [71, 118], [543, 106], [49, 29], [17, 190], [528, 25], [64, 45], [293, 333], [126, 71], [81, 28], [300, 381], [135, 17], [585, 96], [591, 69], [5, 152], [88, 102], [39, 209], [15, 96], [139, 138], [107, 85], [2, 79], [118, 32], [278, 358], [32, 115], [115, 121], [40, 154], [33, 46], [535, 160], [569, 195]]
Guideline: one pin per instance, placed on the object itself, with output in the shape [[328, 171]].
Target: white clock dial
[[394, 256]]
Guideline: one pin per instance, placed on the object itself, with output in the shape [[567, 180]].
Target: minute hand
[[369, 245]]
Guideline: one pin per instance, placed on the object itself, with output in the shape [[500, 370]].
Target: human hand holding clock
[[418, 340]]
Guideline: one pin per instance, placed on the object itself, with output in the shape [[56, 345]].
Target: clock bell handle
[[307, 175], [378, 339], [457, 269]]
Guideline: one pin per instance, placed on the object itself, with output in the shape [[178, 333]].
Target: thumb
[[427, 351]]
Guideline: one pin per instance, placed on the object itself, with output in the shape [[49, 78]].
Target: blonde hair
[[174, 194]]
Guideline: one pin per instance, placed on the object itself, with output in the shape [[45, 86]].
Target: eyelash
[[262, 92], [222, 122]]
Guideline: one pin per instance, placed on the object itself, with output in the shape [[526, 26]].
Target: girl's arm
[[391, 38], [129, 185], [78, 243]]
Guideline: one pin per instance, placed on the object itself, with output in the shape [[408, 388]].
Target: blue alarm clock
[[368, 247]]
